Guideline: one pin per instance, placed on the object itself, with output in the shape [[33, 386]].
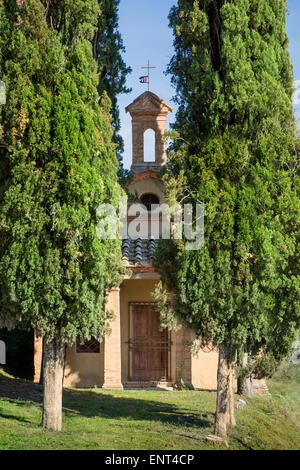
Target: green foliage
[[288, 372], [265, 366], [73, 19], [163, 306], [108, 48], [260, 368], [96, 20], [57, 167], [238, 154]]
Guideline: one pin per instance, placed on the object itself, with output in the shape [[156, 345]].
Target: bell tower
[[148, 111]]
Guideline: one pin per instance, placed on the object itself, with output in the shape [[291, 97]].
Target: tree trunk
[[245, 384], [231, 415], [225, 396], [42, 365], [53, 370]]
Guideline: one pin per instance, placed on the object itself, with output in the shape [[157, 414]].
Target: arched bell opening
[[149, 146], [148, 200]]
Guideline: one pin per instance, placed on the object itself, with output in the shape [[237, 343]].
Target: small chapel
[[138, 353]]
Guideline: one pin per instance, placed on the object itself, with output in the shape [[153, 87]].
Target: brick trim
[[144, 175], [112, 343]]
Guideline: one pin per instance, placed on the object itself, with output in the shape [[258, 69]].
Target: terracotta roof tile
[[138, 252]]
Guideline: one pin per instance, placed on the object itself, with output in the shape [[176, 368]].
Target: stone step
[[153, 385], [261, 387]]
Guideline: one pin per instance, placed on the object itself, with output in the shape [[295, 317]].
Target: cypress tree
[[58, 164], [237, 154], [108, 48]]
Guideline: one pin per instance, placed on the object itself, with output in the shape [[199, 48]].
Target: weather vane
[[146, 78]]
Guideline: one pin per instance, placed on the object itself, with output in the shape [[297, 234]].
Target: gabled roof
[[148, 102]]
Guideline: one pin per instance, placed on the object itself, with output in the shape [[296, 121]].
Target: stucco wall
[[151, 185], [204, 370], [84, 370]]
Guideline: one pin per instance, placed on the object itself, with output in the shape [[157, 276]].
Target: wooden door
[[149, 345]]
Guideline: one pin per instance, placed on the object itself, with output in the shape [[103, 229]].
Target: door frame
[[130, 337]]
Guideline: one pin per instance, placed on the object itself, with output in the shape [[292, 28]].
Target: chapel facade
[[137, 353]]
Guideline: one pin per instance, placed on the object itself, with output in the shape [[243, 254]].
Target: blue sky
[[146, 36]]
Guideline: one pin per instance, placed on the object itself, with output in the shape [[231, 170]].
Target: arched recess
[[149, 199], [149, 145]]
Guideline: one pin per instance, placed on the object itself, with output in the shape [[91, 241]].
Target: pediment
[[148, 103]]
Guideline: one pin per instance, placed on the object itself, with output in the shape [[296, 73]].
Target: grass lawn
[[151, 420]]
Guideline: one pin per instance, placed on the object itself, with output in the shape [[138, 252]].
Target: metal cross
[[146, 79]]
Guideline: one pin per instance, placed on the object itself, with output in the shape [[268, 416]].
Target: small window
[[89, 347], [148, 200]]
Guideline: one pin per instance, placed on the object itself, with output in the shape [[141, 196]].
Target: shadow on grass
[[89, 403], [15, 418]]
